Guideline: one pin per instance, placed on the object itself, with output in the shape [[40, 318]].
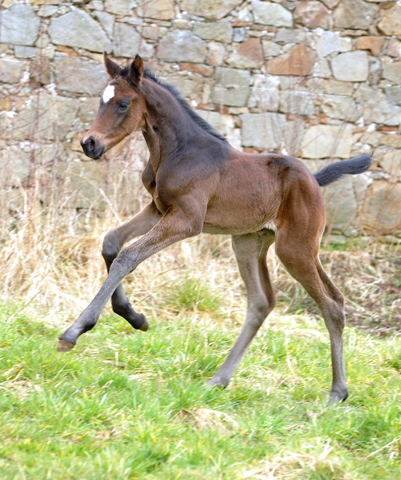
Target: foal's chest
[[149, 182]]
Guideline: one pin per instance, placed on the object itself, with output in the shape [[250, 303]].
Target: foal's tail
[[336, 170]]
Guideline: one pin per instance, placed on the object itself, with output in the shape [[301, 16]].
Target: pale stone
[[218, 31], [354, 14], [270, 49], [351, 66], [262, 130], [391, 163], [239, 34], [321, 68], [312, 14], [392, 71], [190, 87], [381, 112], [216, 54], [344, 108], [15, 166], [292, 35], [365, 93], [231, 87], [159, 9], [293, 135], [268, 13], [210, 8], [328, 42], [297, 102], [96, 5], [390, 22], [19, 25], [343, 200], [334, 87], [86, 180], [88, 109], [248, 54], [48, 117], [264, 93], [381, 211], [119, 7], [107, 21], [128, 42], [181, 46], [150, 32], [224, 124], [375, 70], [325, 141], [21, 51], [393, 94], [297, 61], [45, 2], [182, 23], [79, 29], [47, 10], [75, 74], [10, 70]]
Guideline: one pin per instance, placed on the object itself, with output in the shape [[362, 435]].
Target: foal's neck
[[168, 128]]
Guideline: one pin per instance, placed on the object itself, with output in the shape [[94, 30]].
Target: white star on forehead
[[108, 93]]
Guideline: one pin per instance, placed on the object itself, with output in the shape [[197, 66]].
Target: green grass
[[131, 405]]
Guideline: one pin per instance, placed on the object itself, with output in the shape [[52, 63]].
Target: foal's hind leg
[[250, 251], [112, 244], [300, 257]]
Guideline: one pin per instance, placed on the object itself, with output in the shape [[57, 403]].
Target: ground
[[135, 405]]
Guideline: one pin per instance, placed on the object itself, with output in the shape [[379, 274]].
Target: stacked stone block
[[320, 80]]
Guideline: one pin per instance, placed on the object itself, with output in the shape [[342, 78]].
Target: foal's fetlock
[[217, 382], [136, 320]]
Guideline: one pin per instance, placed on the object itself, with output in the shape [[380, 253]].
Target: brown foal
[[199, 183]]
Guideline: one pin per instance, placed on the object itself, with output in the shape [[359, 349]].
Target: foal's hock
[[199, 183]]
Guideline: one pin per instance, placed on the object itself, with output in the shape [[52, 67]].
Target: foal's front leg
[[174, 226], [140, 224]]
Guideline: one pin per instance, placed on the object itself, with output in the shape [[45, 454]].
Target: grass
[[132, 405]]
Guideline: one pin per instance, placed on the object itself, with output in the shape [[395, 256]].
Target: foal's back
[[253, 189]]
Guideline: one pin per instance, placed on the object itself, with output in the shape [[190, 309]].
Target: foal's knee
[[111, 246]]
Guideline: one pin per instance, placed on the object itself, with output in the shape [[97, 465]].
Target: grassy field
[[131, 405]]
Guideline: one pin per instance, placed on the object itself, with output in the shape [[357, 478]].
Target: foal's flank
[[199, 183]]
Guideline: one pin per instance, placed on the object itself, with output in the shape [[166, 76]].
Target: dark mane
[[183, 103]]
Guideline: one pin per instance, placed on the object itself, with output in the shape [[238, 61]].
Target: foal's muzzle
[[91, 148]]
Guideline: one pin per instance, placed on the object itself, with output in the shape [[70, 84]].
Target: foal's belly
[[240, 216]]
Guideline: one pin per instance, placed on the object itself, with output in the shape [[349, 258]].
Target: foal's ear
[[136, 70], [111, 67]]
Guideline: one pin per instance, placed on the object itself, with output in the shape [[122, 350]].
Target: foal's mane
[[183, 103]]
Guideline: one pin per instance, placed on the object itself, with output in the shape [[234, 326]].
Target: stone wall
[[320, 80]]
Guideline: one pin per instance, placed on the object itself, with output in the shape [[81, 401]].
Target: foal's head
[[121, 110]]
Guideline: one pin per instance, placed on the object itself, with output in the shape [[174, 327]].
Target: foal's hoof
[[336, 398], [64, 346], [217, 383], [145, 325]]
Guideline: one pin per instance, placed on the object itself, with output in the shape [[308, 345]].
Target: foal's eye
[[122, 107]]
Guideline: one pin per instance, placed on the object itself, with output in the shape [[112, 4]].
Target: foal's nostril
[[91, 144]]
